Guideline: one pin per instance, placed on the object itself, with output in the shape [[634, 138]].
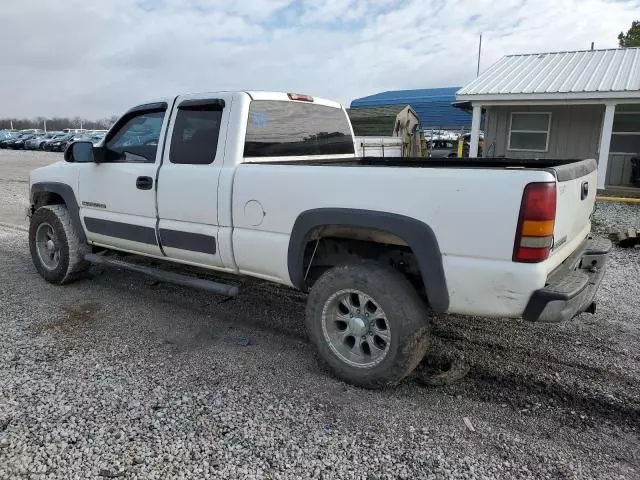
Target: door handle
[[144, 183]]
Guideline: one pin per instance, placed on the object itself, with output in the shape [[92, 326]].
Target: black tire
[[406, 314], [66, 240]]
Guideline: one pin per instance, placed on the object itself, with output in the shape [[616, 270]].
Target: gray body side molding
[[66, 192], [418, 236]]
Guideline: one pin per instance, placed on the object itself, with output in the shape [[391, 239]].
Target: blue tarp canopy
[[433, 105]]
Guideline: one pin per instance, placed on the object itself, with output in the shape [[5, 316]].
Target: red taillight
[[534, 236], [299, 97]]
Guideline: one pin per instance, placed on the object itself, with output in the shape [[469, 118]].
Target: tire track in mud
[[515, 363]]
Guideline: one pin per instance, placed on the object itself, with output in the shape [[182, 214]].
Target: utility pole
[[479, 52]]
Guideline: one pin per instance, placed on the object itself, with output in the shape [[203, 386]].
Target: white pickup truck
[[268, 185]]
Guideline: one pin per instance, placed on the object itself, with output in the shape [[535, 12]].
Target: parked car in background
[[4, 142], [442, 148], [59, 143], [47, 144], [50, 137], [95, 137], [35, 143], [7, 134], [6, 138], [31, 143], [17, 143], [431, 134], [74, 130], [38, 144]]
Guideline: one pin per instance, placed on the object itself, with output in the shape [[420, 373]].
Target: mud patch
[[442, 365], [70, 318]]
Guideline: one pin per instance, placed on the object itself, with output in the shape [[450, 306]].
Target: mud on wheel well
[[40, 199], [329, 246]]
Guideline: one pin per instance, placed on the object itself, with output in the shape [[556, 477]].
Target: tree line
[[57, 123], [632, 37]]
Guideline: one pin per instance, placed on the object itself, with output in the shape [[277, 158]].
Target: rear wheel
[[56, 249], [368, 324]]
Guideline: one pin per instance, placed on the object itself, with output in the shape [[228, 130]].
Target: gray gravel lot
[[14, 182], [613, 216], [117, 376]]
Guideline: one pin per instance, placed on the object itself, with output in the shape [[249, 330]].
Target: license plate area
[[593, 261]]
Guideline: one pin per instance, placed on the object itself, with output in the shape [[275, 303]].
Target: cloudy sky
[[96, 58]]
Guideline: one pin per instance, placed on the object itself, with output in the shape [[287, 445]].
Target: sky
[[97, 58]]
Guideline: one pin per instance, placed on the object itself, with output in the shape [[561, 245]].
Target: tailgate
[[576, 195]]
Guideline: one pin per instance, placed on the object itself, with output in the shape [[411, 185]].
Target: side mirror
[[80, 152]]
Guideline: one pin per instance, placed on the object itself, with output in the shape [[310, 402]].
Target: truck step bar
[[164, 276]]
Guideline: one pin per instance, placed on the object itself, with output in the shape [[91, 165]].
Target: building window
[[529, 131], [625, 137]]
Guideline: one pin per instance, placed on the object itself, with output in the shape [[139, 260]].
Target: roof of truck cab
[[260, 95], [254, 94]]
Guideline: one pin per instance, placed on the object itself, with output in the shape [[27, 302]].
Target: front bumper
[[571, 288]]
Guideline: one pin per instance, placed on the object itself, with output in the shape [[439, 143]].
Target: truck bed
[[420, 162]]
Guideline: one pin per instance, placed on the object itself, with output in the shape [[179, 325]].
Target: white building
[[582, 104]]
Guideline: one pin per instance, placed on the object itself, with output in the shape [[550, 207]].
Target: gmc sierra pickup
[[268, 185]]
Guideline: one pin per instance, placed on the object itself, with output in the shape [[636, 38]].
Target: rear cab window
[[278, 128]]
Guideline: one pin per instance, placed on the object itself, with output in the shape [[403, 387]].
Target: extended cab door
[[188, 179], [118, 194]]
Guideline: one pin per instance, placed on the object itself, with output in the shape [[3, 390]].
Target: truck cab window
[[195, 136], [285, 129], [137, 140]]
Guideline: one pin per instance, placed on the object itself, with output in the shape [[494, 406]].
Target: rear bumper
[[571, 289]]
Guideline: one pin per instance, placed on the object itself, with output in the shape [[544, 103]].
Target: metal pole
[[479, 52]]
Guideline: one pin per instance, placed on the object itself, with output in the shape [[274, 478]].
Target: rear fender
[[417, 235]]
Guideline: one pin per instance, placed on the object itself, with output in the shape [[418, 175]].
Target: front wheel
[[56, 249], [368, 324]]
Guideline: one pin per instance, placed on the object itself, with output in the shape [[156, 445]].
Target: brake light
[[299, 97], [534, 236]]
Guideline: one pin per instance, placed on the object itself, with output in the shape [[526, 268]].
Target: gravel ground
[[117, 376], [14, 182], [610, 217]]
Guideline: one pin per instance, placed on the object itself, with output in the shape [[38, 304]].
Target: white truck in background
[[269, 185]]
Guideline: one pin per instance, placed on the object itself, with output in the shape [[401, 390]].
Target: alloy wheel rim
[[356, 328], [47, 246]]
